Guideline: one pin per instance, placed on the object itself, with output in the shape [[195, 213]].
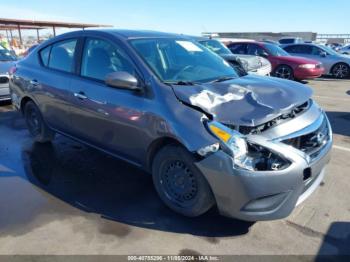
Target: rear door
[[51, 82]]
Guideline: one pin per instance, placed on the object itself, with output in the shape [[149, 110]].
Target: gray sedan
[[253, 146], [334, 63]]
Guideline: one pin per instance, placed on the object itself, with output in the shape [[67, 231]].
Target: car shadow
[[94, 182], [336, 242], [340, 122]]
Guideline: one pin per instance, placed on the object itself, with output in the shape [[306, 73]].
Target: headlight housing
[[308, 66], [246, 155]]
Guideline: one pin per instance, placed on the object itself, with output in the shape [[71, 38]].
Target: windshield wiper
[[222, 79], [182, 83]]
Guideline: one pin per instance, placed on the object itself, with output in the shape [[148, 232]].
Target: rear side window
[[238, 48], [287, 41], [299, 49], [62, 55], [44, 55]]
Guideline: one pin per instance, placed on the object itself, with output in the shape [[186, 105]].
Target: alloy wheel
[[340, 71], [284, 72]]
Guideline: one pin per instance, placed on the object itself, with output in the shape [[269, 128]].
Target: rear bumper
[[303, 73], [264, 195]]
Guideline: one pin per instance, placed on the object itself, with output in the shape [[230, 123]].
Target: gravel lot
[[70, 199]]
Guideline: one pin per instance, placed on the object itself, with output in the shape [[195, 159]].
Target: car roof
[[310, 44], [125, 33]]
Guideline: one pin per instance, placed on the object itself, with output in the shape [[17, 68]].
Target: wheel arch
[[158, 144], [24, 101]]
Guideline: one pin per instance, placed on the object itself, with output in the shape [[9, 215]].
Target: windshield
[[329, 50], [216, 46], [275, 50], [174, 60]]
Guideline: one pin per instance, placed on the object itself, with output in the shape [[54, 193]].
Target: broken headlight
[[246, 155]]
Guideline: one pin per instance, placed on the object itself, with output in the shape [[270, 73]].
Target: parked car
[[7, 60], [335, 46], [345, 50], [251, 64], [270, 41], [283, 65], [334, 63], [254, 146], [290, 40]]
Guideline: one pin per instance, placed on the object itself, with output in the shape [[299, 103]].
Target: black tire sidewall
[[45, 135], [204, 198]]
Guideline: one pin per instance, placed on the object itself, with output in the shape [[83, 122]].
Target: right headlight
[[246, 155]]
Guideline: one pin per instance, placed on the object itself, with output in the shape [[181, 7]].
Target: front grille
[[313, 142], [296, 111], [4, 79]]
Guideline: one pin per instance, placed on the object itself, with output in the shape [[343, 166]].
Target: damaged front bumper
[[267, 195], [262, 71]]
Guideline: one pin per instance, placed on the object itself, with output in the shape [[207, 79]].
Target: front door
[[107, 117]]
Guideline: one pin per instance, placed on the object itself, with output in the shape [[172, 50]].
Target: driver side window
[[101, 58]]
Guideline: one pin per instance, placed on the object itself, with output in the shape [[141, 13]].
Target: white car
[[7, 60]]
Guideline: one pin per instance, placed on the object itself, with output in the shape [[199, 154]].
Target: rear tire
[[340, 70], [179, 183], [284, 71], [36, 125]]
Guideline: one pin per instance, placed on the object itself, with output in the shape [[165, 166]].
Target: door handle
[[80, 95]]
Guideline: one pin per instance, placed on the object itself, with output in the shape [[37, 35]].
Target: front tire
[[179, 183], [284, 71], [36, 125], [340, 70]]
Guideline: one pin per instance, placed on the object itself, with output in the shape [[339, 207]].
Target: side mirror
[[323, 54], [122, 80]]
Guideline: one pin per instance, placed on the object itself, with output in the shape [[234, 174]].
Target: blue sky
[[192, 16]]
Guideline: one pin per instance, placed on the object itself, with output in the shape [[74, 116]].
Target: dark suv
[[254, 146]]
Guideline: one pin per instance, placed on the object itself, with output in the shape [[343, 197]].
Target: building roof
[[37, 23]]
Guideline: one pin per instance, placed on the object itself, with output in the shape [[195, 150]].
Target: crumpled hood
[[253, 63], [245, 101]]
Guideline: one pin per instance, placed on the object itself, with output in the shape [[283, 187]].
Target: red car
[[283, 64]]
